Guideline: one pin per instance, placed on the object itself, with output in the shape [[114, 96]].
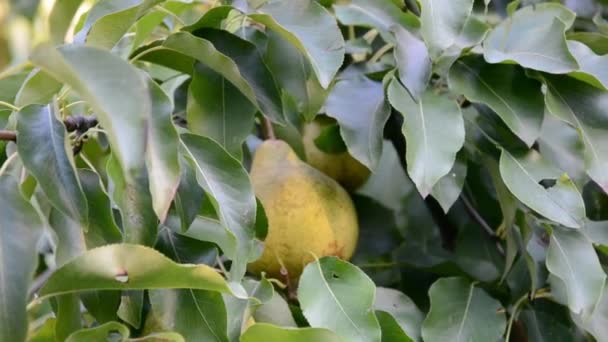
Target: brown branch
[[267, 130], [77, 123]]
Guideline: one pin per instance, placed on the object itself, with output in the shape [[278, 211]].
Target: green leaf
[[337, 295], [101, 333], [413, 62], [118, 95], [225, 179], [597, 42], [189, 197], [43, 148], [595, 322], [461, 312], [401, 310], [568, 250], [361, 122], [262, 332], [561, 203], [161, 151], [60, 19], [208, 229], [251, 66], [109, 20], [580, 105], [547, 321], [434, 131], [534, 38], [293, 73], [275, 311], [516, 98], [560, 143], [593, 68], [309, 27], [129, 267], [20, 229], [447, 190], [216, 109], [330, 140], [102, 227], [38, 88], [379, 14]]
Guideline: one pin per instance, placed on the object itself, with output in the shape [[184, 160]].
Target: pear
[[309, 214], [342, 167]]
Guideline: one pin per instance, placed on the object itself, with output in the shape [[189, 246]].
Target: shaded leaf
[[338, 296], [434, 131], [309, 27], [43, 148], [189, 196], [580, 105], [534, 38], [224, 178], [19, 258], [100, 333], [561, 203], [460, 312], [547, 321], [361, 122], [413, 62], [402, 310], [129, 267], [568, 250], [516, 98], [261, 332]]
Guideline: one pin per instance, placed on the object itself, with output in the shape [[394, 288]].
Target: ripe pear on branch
[[309, 214]]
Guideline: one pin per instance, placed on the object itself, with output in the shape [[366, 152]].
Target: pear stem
[[267, 130]]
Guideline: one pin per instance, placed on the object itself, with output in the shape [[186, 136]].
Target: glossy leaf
[[561, 203], [20, 229], [309, 27], [413, 62], [460, 312], [568, 250], [338, 296], [402, 310], [129, 267], [261, 332], [226, 180], [361, 122], [216, 109], [447, 190], [161, 151], [43, 147], [504, 88], [580, 105], [118, 94], [593, 68], [534, 38], [379, 14], [434, 131]]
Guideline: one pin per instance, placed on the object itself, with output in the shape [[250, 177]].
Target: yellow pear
[[309, 214], [342, 167]]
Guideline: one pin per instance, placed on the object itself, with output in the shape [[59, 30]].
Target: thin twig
[[8, 135], [72, 123], [267, 130], [376, 57], [482, 222]]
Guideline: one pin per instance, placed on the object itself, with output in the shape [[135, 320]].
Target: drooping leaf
[[43, 148], [378, 14], [338, 296], [516, 98], [251, 66], [534, 38], [216, 109], [112, 87], [361, 122], [20, 229], [129, 267], [225, 179], [434, 131], [460, 312], [447, 190], [309, 27], [61, 17], [561, 203], [413, 62], [261, 332], [568, 250], [161, 151], [593, 68], [402, 310], [580, 105]]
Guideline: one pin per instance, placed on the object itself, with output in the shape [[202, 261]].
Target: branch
[[77, 123], [267, 130]]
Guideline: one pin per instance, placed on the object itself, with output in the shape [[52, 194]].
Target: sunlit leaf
[[261, 332], [402, 310], [413, 62]]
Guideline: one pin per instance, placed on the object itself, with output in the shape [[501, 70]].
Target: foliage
[[127, 130]]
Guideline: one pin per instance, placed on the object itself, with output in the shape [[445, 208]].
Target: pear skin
[[342, 167], [309, 214]]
